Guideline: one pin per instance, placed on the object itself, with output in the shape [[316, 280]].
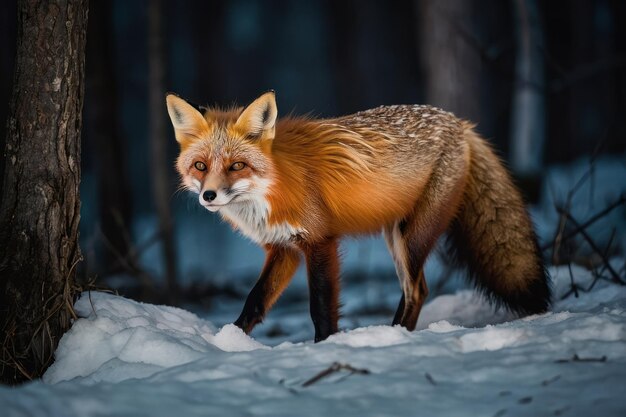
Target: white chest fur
[[250, 218]]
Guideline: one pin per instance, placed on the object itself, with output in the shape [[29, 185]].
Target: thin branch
[[334, 368], [130, 265], [596, 249], [430, 379], [547, 382], [620, 201], [571, 277], [577, 358]]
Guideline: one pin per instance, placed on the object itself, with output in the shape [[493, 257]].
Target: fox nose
[[209, 195]]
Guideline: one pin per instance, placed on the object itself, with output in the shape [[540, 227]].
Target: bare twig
[[620, 201], [334, 368], [577, 358], [547, 382], [430, 379], [129, 262], [596, 278], [131, 265], [596, 249], [571, 278], [558, 238]]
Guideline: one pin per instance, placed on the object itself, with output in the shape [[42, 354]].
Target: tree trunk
[[40, 207], [528, 118], [8, 33], [161, 166], [451, 66]]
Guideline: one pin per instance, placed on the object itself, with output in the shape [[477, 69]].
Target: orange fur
[[297, 185], [329, 179]]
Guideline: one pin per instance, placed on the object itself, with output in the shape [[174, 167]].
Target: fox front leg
[[323, 276], [280, 265]]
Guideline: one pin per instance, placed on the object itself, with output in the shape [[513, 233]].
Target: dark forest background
[[556, 66]]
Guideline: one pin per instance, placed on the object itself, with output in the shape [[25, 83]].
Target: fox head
[[224, 156]]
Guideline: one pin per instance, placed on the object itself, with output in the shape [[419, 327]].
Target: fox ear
[[188, 122], [258, 119]]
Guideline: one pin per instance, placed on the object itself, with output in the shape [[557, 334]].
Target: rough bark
[[8, 33], [40, 207]]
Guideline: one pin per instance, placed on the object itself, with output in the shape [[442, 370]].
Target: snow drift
[[127, 358]]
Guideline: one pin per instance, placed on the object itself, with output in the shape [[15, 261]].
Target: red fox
[[297, 185]]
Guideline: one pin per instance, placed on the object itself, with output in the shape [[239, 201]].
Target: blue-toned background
[[544, 80]]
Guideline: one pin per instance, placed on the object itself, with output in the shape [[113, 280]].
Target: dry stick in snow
[[596, 275], [430, 378], [334, 368], [558, 238], [547, 382], [574, 286], [565, 216], [577, 358]]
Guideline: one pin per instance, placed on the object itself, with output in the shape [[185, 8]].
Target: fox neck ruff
[[251, 218]]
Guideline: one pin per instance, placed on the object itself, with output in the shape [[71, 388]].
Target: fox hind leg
[[411, 239], [410, 274], [395, 245]]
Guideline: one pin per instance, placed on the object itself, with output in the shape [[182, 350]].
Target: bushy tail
[[493, 235]]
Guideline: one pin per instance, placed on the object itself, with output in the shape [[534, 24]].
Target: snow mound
[[118, 338], [127, 358], [372, 336]]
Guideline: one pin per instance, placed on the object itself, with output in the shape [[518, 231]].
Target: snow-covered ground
[[125, 358]]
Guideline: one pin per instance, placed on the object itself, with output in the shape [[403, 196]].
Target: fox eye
[[237, 166], [200, 166]]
